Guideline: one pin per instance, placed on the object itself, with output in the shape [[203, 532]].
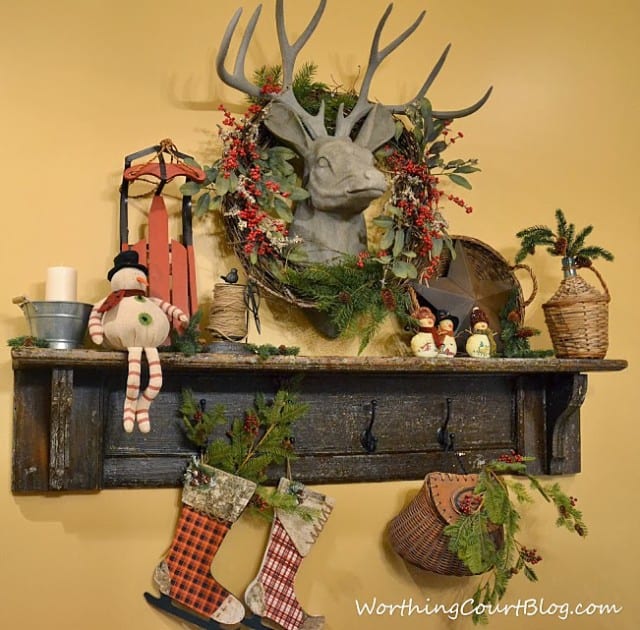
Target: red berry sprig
[[511, 458], [470, 503], [530, 556]]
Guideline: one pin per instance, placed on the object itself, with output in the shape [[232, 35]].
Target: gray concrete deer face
[[339, 171]]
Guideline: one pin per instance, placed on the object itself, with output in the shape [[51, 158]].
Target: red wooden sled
[[172, 269]]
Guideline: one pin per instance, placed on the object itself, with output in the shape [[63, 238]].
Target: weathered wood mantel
[[68, 434]]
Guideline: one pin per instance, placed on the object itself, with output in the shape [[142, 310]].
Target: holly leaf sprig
[[485, 535]]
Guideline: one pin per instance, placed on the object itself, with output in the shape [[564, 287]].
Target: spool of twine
[[228, 314]]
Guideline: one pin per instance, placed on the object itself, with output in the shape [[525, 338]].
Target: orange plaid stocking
[[195, 544], [212, 500]]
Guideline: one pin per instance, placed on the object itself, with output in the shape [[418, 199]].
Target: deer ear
[[377, 129], [282, 122]]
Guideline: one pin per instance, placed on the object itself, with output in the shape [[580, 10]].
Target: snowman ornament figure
[[424, 342], [481, 343], [129, 320], [446, 327]]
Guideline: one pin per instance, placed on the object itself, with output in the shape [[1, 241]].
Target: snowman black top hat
[[128, 258]]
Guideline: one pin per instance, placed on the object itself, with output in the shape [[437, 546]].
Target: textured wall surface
[[84, 83]]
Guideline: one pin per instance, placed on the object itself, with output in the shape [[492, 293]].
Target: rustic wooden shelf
[[68, 434]]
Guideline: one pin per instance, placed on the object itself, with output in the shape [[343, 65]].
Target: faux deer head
[[339, 170]]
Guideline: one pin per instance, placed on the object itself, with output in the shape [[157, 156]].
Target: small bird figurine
[[231, 277], [129, 320]]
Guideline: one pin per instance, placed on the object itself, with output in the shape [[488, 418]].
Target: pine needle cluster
[[566, 241], [186, 341], [27, 341], [515, 335], [266, 350], [261, 438], [352, 294], [494, 510], [309, 92]]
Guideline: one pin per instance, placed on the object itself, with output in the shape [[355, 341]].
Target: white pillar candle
[[62, 283]]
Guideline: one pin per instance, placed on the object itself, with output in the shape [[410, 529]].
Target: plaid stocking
[[194, 546], [271, 594], [185, 574]]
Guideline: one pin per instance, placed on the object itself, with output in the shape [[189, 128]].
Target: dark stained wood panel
[[68, 432]]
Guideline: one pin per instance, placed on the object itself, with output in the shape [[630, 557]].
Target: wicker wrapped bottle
[[577, 315]]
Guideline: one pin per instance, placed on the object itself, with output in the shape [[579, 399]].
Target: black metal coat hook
[[445, 437], [367, 439]]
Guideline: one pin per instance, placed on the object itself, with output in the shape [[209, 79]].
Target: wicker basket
[[417, 533], [578, 319]]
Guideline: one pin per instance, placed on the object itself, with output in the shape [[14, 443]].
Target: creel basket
[[417, 533]]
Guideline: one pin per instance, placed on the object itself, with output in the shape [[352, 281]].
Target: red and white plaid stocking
[[271, 595]]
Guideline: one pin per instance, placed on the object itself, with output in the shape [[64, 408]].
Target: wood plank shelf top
[[34, 357], [68, 405]]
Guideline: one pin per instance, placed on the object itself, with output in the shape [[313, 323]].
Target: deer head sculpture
[[339, 170]]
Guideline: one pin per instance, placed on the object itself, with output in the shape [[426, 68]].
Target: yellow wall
[[85, 82]]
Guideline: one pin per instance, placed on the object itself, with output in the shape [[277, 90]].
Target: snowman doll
[[480, 343], [446, 327], [423, 343], [129, 320]]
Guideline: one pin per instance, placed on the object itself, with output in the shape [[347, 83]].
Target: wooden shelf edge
[[39, 357]]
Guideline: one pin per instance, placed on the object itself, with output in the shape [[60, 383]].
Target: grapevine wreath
[[256, 182]]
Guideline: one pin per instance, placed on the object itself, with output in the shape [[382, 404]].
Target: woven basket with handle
[[577, 316], [417, 533]]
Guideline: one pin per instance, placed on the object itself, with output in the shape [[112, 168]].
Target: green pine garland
[[261, 438], [27, 341], [352, 294], [494, 505]]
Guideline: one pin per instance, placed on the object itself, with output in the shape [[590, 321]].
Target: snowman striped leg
[[133, 389], [152, 390]]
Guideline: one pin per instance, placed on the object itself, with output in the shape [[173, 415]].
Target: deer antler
[[345, 124], [314, 125], [446, 115], [238, 79]]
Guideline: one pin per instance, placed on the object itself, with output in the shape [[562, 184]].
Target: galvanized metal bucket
[[62, 324]]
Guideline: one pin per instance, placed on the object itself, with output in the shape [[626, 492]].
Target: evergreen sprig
[[352, 293], [262, 437], [563, 242], [515, 335], [266, 350], [27, 341], [484, 537], [187, 340]]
